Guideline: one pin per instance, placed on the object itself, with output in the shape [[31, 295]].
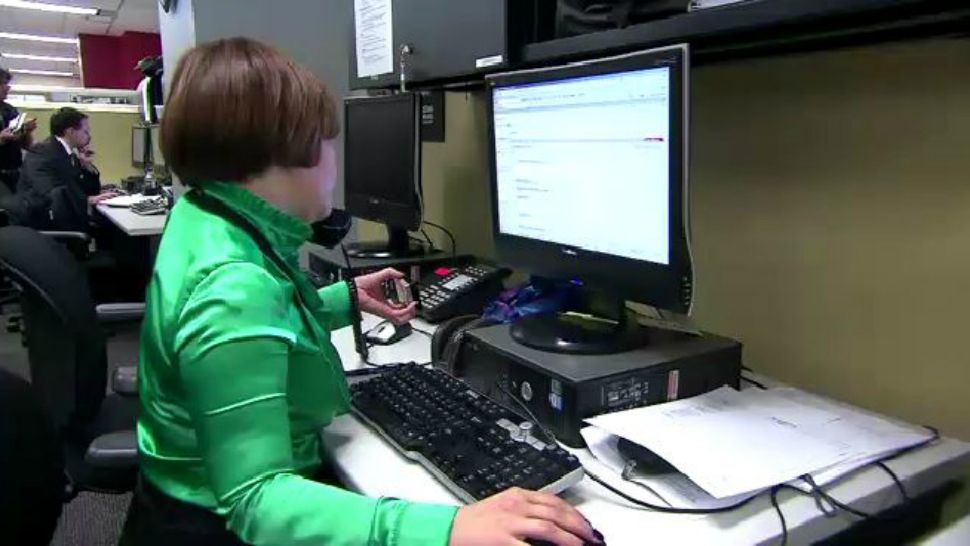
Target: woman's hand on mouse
[[516, 515], [370, 296]]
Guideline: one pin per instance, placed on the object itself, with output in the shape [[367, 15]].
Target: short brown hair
[[238, 107]]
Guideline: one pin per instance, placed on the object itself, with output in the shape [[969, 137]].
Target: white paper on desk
[[123, 201], [732, 443], [374, 32], [872, 435], [704, 4], [674, 489]]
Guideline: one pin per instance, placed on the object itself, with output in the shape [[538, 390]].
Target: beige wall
[[110, 139], [831, 213]]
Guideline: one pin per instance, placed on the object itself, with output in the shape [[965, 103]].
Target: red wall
[[108, 62]]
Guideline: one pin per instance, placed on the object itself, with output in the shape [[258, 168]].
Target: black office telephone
[[447, 292]]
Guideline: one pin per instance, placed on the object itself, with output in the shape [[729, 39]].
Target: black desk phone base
[[447, 292]]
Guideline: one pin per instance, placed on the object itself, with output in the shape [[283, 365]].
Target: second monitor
[[382, 171]]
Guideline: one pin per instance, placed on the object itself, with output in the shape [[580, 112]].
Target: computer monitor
[[382, 170], [138, 147], [589, 185]]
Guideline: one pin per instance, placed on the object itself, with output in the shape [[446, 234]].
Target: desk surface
[[371, 466], [131, 223]]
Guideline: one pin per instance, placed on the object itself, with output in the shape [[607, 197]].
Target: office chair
[[8, 293], [68, 362], [32, 469]]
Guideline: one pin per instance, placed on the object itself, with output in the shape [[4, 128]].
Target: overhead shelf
[[765, 27]]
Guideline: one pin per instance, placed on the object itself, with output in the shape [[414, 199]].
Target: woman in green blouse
[[237, 372]]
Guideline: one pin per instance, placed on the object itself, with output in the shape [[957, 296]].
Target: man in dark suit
[[57, 182]]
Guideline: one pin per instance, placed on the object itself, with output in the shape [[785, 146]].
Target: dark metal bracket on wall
[[432, 115]]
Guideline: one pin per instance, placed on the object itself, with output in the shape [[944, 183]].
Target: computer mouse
[[388, 333], [599, 535], [647, 461]]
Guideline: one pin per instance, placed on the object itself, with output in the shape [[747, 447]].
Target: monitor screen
[[589, 173], [584, 162], [381, 158]]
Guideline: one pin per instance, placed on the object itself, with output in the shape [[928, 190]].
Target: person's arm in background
[[27, 136], [24, 137], [7, 135], [90, 177], [233, 352]]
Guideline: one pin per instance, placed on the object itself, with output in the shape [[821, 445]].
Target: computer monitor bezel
[[667, 286], [396, 215]]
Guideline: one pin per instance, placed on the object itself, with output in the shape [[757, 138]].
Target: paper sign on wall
[[374, 37]]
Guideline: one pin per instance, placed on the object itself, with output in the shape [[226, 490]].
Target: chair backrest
[[65, 344], [31, 466], [8, 182]]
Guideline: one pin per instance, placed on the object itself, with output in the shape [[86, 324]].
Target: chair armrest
[[124, 380], [114, 450], [77, 242], [68, 235], [120, 312]]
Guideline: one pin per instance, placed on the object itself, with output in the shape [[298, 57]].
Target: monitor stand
[[398, 245], [615, 331]]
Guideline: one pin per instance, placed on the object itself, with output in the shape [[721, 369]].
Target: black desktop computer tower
[[560, 390]]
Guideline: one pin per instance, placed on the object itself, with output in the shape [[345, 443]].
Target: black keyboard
[[472, 445]]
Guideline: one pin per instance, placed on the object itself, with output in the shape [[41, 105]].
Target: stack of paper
[[733, 443], [671, 489], [124, 201], [704, 4]]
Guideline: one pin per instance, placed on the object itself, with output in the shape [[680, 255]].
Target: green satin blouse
[[235, 383]]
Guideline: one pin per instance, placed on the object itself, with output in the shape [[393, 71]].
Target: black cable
[[454, 246], [431, 244], [781, 515], [343, 249], [896, 480], [755, 383], [816, 490], [664, 509], [424, 332], [380, 368], [373, 367], [418, 240], [819, 496]]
